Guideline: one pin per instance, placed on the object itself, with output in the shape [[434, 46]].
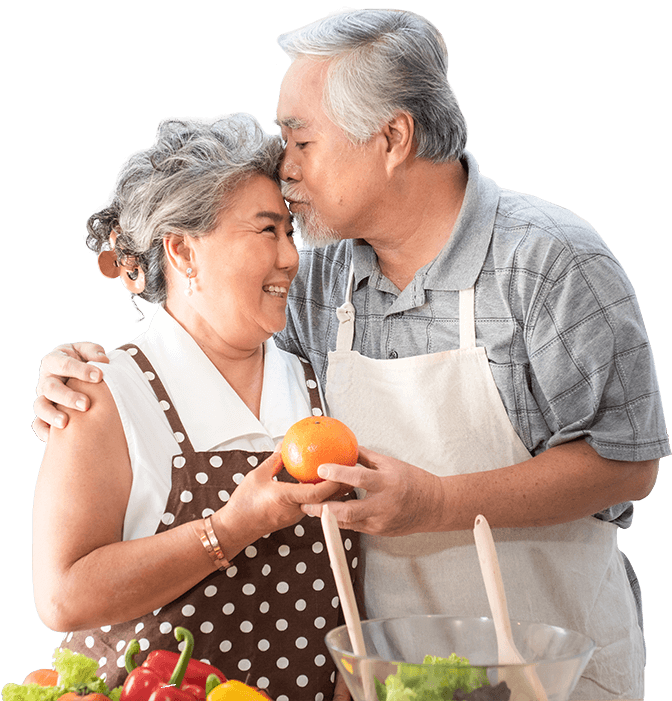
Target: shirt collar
[[200, 394], [461, 260]]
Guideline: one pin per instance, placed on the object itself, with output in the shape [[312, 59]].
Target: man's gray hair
[[383, 62], [180, 186]]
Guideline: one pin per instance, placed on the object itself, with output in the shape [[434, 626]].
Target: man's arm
[[64, 362], [565, 483]]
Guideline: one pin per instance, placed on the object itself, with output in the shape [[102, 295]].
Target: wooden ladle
[[523, 681], [339, 566]]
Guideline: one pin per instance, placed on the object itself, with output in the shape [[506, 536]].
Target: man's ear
[[399, 134]]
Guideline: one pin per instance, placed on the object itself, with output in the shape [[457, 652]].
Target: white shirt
[[213, 415]]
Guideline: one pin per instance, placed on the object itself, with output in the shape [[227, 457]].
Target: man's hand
[[401, 498], [564, 483], [68, 360]]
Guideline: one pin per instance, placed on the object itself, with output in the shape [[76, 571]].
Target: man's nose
[[288, 168]]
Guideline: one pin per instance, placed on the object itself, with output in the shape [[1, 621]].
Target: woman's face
[[242, 269]]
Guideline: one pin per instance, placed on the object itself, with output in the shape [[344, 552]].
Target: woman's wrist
[[231, 533], [210, 542]]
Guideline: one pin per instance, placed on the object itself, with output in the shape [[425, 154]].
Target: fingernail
[[59, 421], [80, 404], [323, 472], [94, 375]]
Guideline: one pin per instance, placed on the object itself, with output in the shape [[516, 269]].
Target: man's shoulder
[[526, 225]]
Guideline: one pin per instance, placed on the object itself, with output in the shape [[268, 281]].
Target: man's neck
[[419, 220]]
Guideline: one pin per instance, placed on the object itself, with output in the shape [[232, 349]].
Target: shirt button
[[393, 355]]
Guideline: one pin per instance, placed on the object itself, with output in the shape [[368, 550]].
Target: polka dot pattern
[[266, 615]]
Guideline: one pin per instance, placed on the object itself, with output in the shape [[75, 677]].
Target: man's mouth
[[295, 204], [275, 290]]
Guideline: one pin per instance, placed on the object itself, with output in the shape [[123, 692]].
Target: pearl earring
[[188, 291]]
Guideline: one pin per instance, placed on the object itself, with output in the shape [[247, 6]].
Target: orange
[[43, 677], [316, 440]]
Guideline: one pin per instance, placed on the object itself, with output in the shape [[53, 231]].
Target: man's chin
[[315, 234]]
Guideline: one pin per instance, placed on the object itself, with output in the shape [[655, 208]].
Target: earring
[[188, 291]]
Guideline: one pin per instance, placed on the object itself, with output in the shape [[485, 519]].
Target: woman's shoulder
[[101, 403]]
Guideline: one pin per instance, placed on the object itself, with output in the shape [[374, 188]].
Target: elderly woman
[[164, 504]]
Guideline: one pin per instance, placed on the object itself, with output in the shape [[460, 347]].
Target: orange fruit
[[43, 677], [313, 441]]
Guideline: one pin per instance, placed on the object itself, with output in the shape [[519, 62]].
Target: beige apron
[[443, 412]]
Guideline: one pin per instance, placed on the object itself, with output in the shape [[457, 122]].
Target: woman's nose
[[288, 255]]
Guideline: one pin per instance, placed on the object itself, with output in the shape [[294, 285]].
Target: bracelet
[[211, 545]]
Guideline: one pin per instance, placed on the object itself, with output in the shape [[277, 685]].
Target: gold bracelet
[[211, 544]]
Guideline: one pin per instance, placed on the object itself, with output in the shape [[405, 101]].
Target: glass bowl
[[396, 648]]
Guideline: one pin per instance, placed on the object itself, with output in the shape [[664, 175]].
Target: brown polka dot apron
[[265, 617]]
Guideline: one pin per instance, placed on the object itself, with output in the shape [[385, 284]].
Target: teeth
[[275, 290]]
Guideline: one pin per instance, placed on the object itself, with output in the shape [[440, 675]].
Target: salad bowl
[[439, 658]]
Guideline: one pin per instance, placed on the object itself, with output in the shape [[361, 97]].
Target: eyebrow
[[274, 216], [292, 123]]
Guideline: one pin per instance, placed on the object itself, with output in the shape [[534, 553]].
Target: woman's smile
[[275, 291]]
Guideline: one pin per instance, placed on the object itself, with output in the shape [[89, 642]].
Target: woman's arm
[[84, 574]]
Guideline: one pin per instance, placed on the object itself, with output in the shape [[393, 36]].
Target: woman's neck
[[241, 367]]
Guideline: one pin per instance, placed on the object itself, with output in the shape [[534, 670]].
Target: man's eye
[[300, 144]]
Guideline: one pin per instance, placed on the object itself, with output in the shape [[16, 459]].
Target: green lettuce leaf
[[74, 668], [31, 692], [436, 682]]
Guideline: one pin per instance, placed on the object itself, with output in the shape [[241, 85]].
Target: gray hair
[[180, 186], [384, 62]]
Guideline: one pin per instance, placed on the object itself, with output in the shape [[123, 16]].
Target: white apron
[[443, 412]]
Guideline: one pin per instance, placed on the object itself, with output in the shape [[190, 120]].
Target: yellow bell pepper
[[233, 690]]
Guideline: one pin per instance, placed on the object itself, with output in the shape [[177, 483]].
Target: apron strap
[[162, 396], [467, 319], [346, 317]]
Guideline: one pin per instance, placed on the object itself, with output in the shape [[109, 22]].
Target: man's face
[[330, 183]]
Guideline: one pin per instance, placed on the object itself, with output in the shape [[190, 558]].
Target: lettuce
[[31, 692], [437, 682], [73, 669]]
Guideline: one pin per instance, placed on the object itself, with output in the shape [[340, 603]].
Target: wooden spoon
[[346, 594], [523, 681]]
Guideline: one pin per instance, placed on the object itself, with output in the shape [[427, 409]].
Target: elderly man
[[485, 347]]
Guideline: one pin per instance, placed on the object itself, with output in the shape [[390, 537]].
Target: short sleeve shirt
[[555, 312], [214, 416]]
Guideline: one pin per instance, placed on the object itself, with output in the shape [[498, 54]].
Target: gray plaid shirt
[[554, 309]]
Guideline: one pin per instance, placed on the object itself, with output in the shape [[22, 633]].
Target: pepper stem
[[181, 666], [211, 682], [132, 649]]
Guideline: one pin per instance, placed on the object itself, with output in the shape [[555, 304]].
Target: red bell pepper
[[167, 676]]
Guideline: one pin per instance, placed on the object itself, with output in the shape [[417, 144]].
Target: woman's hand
[[341, 692], [262, 505], [64, 362]]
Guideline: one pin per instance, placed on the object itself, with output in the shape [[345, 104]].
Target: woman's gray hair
[[180, 186], [384, 62]]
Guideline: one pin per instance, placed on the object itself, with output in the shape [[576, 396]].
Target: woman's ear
[[178, 252]]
